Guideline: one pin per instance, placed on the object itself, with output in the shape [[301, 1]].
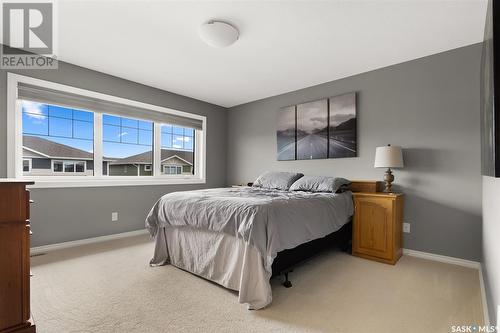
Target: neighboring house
[[173, 162], [42, 157]]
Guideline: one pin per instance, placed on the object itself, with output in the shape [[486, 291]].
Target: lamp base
[[388, 179]]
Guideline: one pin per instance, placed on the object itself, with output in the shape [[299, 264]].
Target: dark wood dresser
[[15, 257]]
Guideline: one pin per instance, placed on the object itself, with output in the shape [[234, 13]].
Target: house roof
[[146, 158], [53, 149]]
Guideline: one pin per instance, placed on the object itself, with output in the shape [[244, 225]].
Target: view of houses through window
[[59, 141]]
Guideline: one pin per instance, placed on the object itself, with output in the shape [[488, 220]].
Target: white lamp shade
[[218, 34], [389, 157]]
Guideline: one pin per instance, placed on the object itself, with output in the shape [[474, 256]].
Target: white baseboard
[[52, 247], [460, 262], [440, 258]]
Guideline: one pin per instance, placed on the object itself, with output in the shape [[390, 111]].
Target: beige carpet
[[109, 287]]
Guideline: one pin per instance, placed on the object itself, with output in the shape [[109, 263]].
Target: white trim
[[15, 78], [98, 145], [484, 300], [36, 152], [157, 150], [59, 246], [460, 262], [14, 143], [106, 181], [440, 258], [70, 158], [12, 122], [180, 158]]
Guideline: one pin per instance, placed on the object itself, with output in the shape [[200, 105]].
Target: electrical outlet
[[114, 216], [406, 227]]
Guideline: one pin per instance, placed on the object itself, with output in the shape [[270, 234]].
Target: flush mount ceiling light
[[218, 33]]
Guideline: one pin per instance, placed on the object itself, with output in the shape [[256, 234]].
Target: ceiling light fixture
[[218, 33]]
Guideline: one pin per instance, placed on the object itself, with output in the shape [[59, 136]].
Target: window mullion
[[98, 158], [157, 150]]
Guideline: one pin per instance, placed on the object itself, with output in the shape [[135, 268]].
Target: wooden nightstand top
[[377, 194]]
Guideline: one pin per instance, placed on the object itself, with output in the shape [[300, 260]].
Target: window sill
[[106, 182]]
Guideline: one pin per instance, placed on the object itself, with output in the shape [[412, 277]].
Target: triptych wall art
[[324, 128]]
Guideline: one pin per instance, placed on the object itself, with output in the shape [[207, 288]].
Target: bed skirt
[[218, 257]]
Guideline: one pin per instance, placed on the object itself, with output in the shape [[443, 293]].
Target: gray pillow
[[320, 184], [277, 180]]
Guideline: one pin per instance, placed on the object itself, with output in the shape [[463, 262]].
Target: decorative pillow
[[277, 180], [320, 184]]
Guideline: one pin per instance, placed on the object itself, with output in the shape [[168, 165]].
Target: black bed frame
[[286, 260]]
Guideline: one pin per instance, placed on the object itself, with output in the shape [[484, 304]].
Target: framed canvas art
[[326, 128]]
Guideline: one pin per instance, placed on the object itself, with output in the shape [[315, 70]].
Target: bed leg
[[287, 282]]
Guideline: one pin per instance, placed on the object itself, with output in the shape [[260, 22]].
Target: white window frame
[[14, 143], [148, 167]]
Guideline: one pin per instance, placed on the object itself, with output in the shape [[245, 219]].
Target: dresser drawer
[[14, 203]]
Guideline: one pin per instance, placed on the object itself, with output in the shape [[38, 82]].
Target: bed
[[232, 236]]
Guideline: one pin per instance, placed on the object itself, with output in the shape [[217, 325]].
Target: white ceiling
[[283, 45]]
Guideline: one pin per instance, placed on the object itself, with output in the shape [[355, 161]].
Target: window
[[69, 167], [64, 136], [172, 169], [57, 166], [127, 145], [177, 146], [26, 165], [51, 131]]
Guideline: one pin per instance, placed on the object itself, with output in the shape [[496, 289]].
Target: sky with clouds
[[122, 137], [312, 116], [342, 108]]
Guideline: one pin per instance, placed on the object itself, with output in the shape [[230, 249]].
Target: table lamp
[[388, 157]]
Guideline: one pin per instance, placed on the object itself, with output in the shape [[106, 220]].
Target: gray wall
[[430, 106], [75, 213]]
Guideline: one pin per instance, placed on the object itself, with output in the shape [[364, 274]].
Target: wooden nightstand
[[377, 226]]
